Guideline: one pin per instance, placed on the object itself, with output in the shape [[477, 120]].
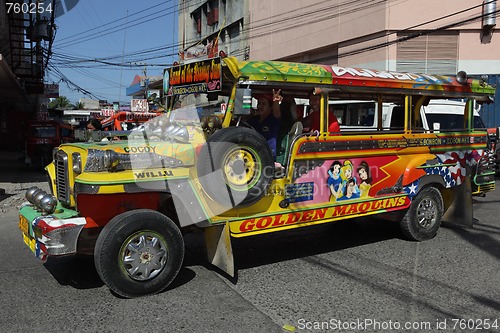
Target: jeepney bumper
[[50, 235]]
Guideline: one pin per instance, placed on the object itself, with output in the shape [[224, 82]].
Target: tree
[[61, 102], [79, 106]]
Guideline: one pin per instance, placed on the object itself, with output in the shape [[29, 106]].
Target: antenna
[[123, 55]]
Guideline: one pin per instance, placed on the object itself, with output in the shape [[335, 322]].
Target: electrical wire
[[130, 59]]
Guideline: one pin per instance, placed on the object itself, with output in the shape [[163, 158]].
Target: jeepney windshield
[[191, 107], [43, 132]]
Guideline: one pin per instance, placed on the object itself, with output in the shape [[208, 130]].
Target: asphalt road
[[353, 276]]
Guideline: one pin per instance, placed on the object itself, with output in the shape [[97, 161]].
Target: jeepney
[[202, 166], [42, 136], [126, 120]]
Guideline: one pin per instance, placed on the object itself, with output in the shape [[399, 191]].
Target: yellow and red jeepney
[[203, 166]]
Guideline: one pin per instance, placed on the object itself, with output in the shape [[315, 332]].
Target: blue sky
[[140, 33]]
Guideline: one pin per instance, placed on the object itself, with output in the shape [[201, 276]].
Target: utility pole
[[146, 81]]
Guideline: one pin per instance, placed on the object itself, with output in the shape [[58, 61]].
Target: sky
[[141, 34]]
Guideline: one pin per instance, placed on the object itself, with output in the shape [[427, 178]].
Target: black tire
[[158, 242], [235, 166], [423, 218]]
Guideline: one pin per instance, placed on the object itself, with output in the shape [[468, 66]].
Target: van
[[129, 202], [438, 114]]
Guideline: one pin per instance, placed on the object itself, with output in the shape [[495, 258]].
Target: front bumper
[[50, 235]]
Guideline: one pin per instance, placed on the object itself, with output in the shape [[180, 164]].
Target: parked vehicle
[[494, 134], [202, 166], [42, 137], [126, 121]]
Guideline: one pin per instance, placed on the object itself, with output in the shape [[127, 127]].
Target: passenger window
[[397, 118]]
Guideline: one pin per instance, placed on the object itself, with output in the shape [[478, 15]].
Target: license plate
[[28, 240], [23, 225]]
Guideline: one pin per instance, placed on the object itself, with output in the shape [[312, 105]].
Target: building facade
[[25, 41], [439, 37], [208, 27]]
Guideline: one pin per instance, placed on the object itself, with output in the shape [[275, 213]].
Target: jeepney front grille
[[62, 184]]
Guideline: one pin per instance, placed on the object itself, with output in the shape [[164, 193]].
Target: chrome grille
[[62, 184]]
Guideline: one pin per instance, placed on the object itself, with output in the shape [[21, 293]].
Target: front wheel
[[423, 219], [138, 253]]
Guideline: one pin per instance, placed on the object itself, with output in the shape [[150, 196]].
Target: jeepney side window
[[354, 113], [397, 118]]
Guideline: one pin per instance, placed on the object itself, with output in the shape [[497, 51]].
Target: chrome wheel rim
[[144, 255], [427, 213]]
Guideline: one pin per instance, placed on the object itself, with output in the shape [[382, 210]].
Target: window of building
[[213, 12], [435, 53], [196, 15]]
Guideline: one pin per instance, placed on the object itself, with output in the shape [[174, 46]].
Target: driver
[[266, 119]]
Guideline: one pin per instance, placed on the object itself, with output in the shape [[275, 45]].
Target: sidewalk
[[15, 178]]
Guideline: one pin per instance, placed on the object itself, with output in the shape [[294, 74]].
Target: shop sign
[[139, 105], [195, 77]]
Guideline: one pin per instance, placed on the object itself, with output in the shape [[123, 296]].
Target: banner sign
[[51, 90], [107, 112], [139, 105], [195, 77]]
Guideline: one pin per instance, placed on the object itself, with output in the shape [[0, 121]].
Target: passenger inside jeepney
[[267, 117], [312, 121]]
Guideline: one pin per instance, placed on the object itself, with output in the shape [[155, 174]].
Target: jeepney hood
[[107, 166], [127, 156]]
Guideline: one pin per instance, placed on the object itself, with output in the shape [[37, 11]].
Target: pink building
[[432, 36]]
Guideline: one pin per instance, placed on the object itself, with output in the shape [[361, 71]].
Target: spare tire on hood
[[235, 166]]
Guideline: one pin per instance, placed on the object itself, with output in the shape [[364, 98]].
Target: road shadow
[[79, 272], [4, 195], [313, 240], [74, 271], [13, 169]]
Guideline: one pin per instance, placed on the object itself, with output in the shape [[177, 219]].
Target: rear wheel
[[138, 253], [423, 218]]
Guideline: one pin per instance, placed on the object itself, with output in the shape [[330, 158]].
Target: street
[[353, 276]]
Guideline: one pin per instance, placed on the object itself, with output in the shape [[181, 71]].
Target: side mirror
[[243, 102]]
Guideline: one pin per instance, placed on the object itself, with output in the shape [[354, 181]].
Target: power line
[[66, 60], [140, 55]]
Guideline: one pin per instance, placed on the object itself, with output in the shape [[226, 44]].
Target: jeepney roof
[[354, 79]]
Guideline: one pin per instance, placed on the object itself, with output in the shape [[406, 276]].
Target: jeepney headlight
[[77, 162], [30, 194], [43, 201], [38, 198], [48, 203], [111, 159]]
